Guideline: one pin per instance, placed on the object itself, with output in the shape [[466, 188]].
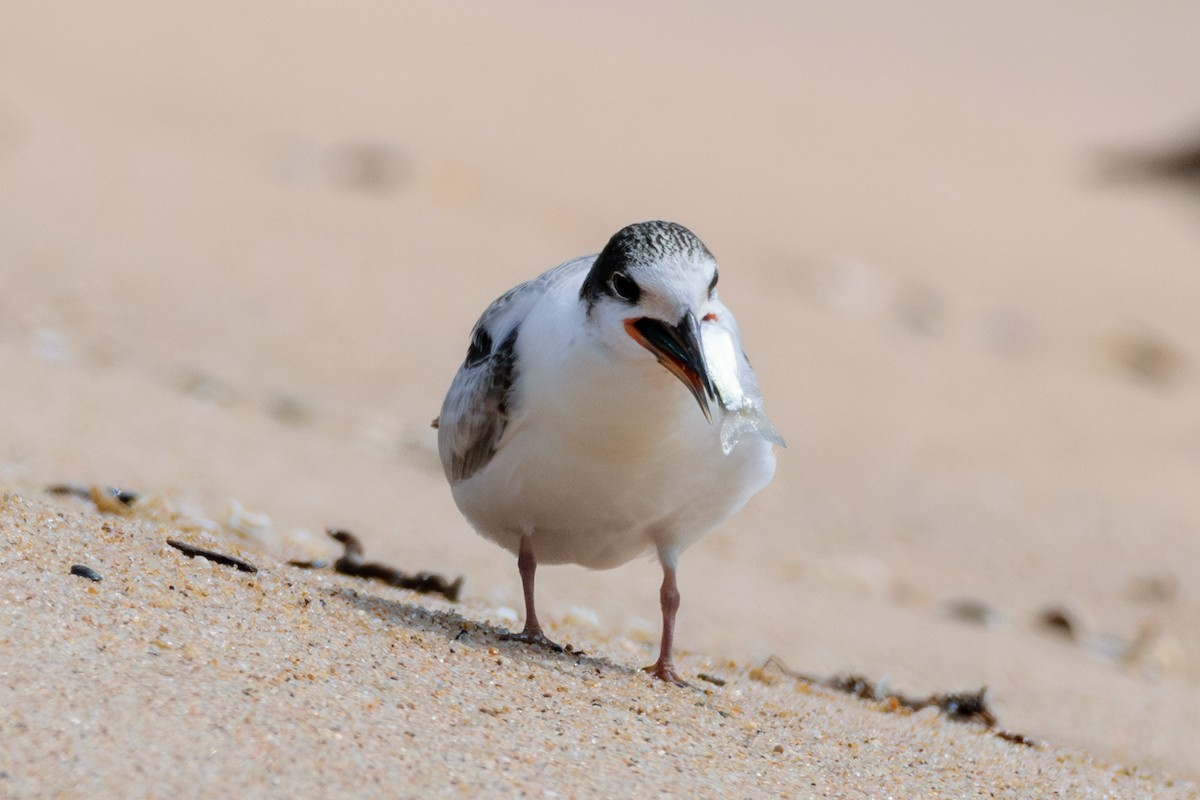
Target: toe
[[535, 638], [665, 671]]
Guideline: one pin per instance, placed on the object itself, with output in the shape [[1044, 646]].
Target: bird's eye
[[713, 284], [624, 287]]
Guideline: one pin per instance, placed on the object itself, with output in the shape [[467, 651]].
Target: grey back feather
[[481, 401]]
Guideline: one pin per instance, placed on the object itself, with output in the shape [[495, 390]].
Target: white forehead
[[676, 278]]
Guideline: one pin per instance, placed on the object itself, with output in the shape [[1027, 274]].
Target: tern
[[570, 433]]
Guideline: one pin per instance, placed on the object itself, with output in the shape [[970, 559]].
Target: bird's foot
[[535, 637], [665, 671]]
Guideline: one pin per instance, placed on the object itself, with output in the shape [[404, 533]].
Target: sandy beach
[[241, 251]]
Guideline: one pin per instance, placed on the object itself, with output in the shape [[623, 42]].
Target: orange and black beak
[[678, 349]]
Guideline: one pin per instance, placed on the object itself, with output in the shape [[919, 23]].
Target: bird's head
[[651, 284]]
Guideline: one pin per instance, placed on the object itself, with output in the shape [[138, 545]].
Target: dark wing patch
[[481, 347], [484, 389]]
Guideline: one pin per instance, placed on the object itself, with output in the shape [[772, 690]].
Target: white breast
[[607, 458]]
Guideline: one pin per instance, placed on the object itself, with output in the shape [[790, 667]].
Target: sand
[[242, 246], [173, 676]]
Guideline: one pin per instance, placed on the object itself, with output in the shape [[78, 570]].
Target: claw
[[666, 672]]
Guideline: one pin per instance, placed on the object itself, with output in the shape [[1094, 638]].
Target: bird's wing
[[479, 405]]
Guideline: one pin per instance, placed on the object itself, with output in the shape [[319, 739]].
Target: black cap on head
[[639, 243]]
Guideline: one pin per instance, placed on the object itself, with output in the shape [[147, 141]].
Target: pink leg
[[532, 634], [664, 668]]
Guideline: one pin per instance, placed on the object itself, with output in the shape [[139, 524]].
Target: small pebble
[[85, 572], [290, 409], [1058, 621], [1152, 589], [50, 346], [975, 612], [1144, 356], [367, 166]]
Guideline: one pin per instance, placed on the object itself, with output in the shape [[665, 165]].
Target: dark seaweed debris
[[1177, 162], [228, 561], [123, 496], [956, 706], [85, 571], [351, 563]]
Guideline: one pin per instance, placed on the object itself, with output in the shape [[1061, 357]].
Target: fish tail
[[747, 420]]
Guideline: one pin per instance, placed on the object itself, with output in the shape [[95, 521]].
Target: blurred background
[[242, 246]]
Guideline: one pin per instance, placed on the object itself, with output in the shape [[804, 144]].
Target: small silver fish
[[741, 402]]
